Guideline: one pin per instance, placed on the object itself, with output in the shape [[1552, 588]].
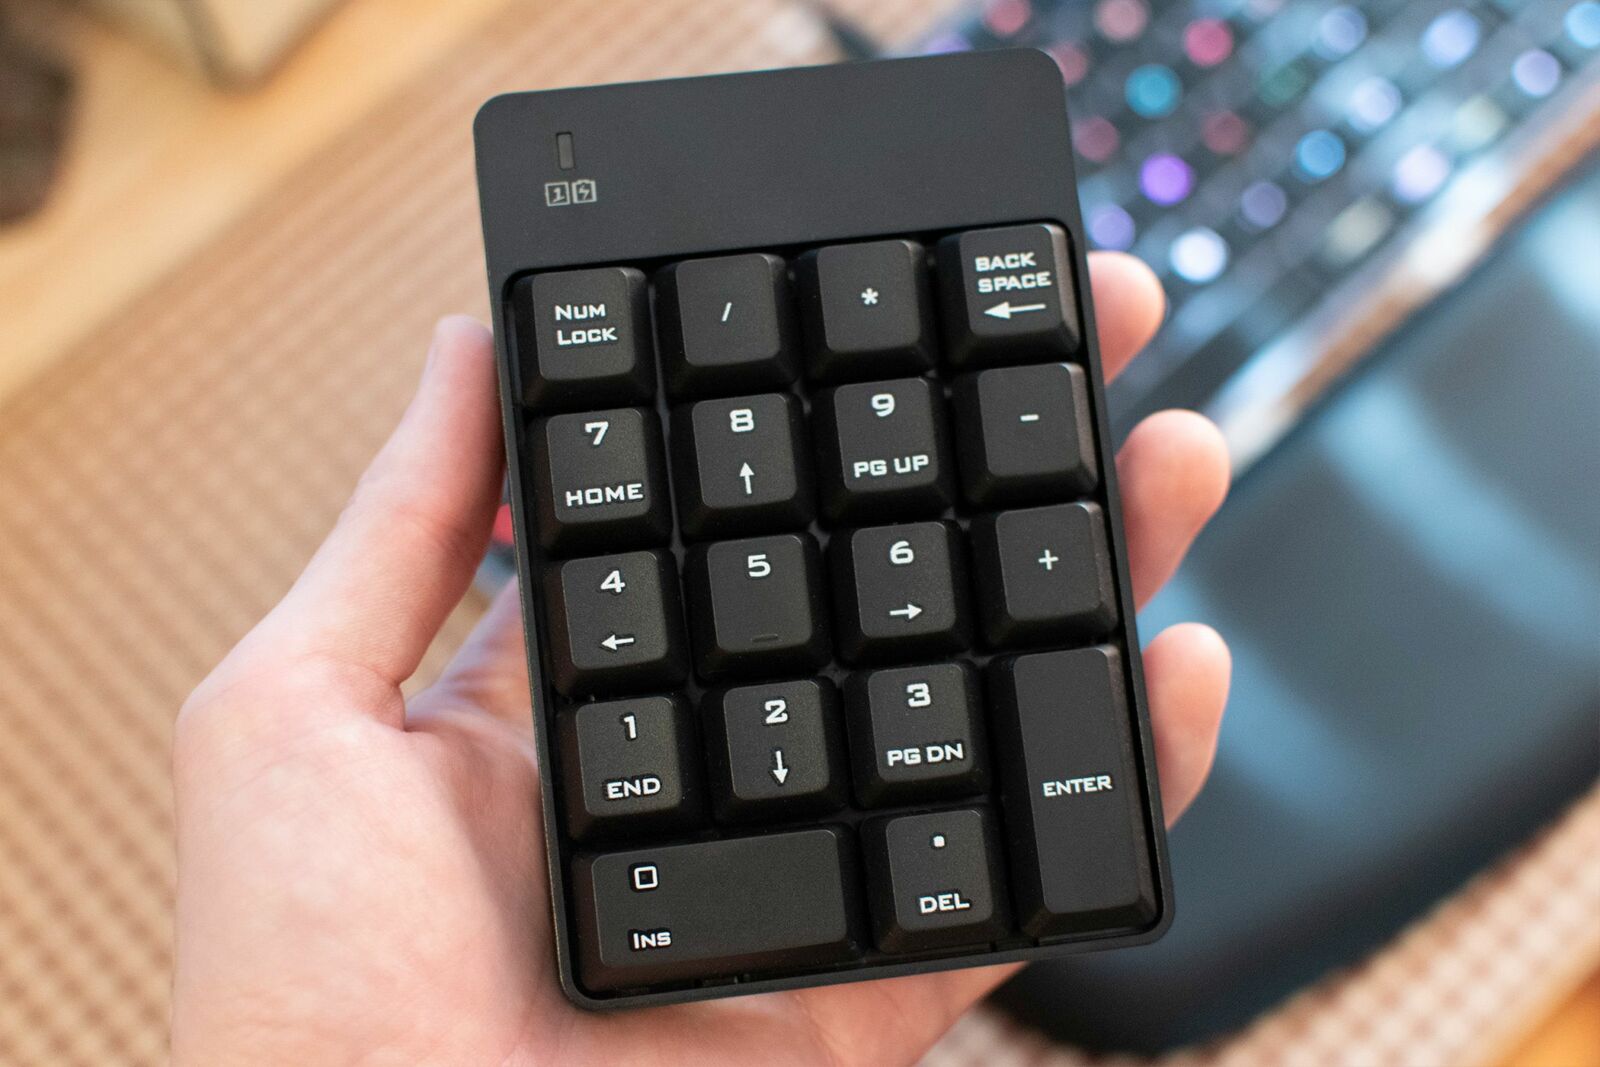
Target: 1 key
[[741, 466], [629, 765]]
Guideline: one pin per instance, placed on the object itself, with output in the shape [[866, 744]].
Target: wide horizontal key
[[615, 624], [1023, 434], [629, 766], [934, 880], [583, 339], [600, 481], [1008, 295], [737, 906], [1080, 860]]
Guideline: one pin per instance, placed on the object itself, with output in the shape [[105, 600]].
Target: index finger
[[1128, 307]]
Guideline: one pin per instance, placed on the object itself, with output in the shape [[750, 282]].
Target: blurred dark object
[[1411, 585], [1411, 576], [35, 90]]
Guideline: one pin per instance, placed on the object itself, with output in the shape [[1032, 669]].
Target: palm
[[363, 880]]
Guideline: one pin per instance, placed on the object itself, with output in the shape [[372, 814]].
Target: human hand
[[361, 877]]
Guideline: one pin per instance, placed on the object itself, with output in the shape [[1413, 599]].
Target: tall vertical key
[[1080, 857]]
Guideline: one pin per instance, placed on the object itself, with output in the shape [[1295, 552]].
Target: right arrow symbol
[[1005, 309], [910, 611]]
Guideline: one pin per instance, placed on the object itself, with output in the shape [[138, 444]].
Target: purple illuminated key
[[1165, 179], [1111, 227]]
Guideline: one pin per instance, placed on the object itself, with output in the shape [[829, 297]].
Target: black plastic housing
[[783, 161]]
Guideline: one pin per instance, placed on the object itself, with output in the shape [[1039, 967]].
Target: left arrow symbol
[[1005, 309], [616, 641]]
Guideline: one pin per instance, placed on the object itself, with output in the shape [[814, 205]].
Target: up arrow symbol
[[746, 473]]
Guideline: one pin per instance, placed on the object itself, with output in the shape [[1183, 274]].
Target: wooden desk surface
[[158, 161]]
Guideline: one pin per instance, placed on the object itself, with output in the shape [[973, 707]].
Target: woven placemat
[[162, 486]]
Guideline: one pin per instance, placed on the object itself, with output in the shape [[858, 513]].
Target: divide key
[[1008, 295]]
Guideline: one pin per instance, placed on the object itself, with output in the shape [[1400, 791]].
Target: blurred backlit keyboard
[[1257, 152]]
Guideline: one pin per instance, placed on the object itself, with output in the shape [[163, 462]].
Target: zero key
[[734, 906]]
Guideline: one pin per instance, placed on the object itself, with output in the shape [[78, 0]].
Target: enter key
[[1080, 855]]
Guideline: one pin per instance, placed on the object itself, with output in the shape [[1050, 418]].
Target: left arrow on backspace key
[[616, 641]]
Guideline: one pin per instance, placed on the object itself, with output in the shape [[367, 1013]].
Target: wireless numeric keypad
[[833, 668]]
